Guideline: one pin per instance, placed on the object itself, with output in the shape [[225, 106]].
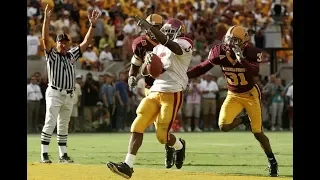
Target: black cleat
[[45, 158], [122, 169], [169, 161], [179, 155], [65, 159], [273, 169]]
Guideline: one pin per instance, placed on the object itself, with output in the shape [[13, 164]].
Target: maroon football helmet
[[173, 28]]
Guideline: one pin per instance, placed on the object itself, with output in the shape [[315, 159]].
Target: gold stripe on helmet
[[231, 29]]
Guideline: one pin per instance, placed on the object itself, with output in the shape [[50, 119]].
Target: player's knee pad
[[162, 135], [256, 130], [224, 127], [137, 125]]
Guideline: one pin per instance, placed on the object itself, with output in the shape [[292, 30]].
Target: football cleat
[[45, 158], [169, 153], [122, 169], [65, 159], [179, 155], [273, 169]]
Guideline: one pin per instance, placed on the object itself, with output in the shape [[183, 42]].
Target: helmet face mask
[[232, 41], [170, 31]]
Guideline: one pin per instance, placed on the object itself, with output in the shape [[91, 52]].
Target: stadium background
[[268, 21], [210, 155]]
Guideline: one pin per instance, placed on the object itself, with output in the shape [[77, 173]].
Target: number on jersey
[[259, 57], [236, 79]]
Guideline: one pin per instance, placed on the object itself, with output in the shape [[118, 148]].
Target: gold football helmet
[[156, 21], [236, 36]]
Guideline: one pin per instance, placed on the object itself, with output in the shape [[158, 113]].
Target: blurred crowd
[[206, 23], [108, 105]]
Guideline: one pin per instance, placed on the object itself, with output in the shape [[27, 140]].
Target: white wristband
[[135, 61]]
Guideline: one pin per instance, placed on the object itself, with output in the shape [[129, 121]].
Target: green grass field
[[218, 156]]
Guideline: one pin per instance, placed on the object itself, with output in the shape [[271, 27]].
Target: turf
[[233, 155]]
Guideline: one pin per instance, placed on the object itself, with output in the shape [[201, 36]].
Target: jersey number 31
[[235, 79]]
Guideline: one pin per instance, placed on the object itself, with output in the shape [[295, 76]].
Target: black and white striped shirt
[[61, 69]]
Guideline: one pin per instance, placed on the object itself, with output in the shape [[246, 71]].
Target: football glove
[[148, 58], [132, 82], [143, 23], [238, 52]]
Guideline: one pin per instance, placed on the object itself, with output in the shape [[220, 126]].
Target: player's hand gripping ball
[[154, 64]]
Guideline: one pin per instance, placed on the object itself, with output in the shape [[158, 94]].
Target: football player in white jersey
[[165, 98]]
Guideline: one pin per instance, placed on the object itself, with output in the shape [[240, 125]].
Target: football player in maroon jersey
[[239, 62]]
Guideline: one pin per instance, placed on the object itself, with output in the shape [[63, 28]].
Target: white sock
[[62, 150], [44, 149], [130, 158], [177, 145]]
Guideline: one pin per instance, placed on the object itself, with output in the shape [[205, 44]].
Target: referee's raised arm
[[45, 29], [88, 38]]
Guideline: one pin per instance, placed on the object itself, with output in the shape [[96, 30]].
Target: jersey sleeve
[[138, 52], [75, 53], [212, 60], [253, 54], [214, 55], [51, 54], [185, 43]]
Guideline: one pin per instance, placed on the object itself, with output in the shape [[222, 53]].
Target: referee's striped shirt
[[61, 69]]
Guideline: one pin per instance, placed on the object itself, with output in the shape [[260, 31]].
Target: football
[[155, 67]]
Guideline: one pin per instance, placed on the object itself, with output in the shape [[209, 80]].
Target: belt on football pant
[[58, 89]]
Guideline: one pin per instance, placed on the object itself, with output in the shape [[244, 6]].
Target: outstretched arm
[[162, 38], [45, 29], [88, 38], [200, 69], [205, 66]]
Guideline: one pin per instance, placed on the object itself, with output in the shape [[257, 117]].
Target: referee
[[61, 86]]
